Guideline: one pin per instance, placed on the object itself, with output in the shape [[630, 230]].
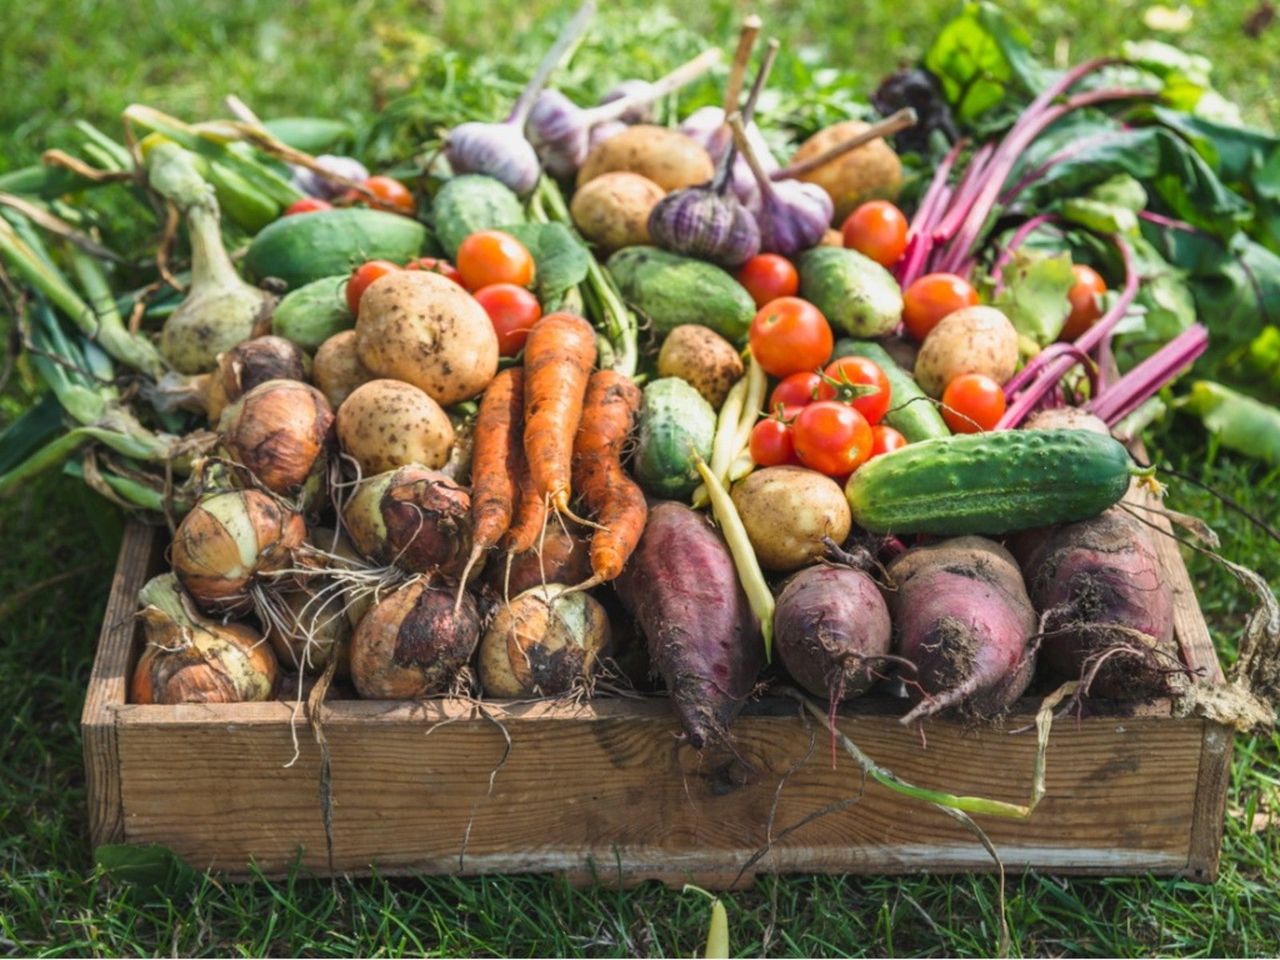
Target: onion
[[413, 643], [280, 431], [413, 517], [188, 659], [310, 627], [227, 542], [248, 364]]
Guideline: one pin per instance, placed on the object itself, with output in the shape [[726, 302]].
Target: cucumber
[[990, 483], [675, 423], [911, 413], [672, 290], [312, 314], [469, 203], [305, 248], [857, 295]]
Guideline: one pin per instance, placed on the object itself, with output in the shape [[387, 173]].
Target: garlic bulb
[[793, 215]]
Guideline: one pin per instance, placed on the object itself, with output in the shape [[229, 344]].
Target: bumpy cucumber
[[671, 290], [990, 483], [301, 249], [675, 423], [911, 413], [469, 203], [858, 296], [312, 314]]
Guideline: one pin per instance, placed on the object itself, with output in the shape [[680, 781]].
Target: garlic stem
[[682, 75], [906, 117], [751, 25], [725, 173]]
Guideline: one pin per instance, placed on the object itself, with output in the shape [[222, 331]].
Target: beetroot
[[829, 628], [683, 590], [962, 616], [1097, 586]]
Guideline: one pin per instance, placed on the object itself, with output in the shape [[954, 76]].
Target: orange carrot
[[558, 357], [609, 412], [530, 513]]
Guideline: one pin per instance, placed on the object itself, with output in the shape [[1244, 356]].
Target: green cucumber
[[469, 203], [911, 413], [312, 314], [671, 290], [307, 247], [858, 296], [675, 424], [990, 483]]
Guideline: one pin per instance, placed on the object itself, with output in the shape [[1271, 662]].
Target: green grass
[[91, 58]]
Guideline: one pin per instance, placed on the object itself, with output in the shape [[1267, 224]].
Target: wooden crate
[[603, 790]]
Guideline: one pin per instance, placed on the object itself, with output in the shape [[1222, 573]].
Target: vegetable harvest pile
[[685, 390]]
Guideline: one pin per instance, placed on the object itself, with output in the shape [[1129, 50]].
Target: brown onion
[[227, 541], [188, 659], [542, 643], [279, 430], [248, 364], [559, 556], [413, 517], [413, 643], [310, 627]]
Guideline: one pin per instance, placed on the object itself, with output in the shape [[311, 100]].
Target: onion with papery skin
[[189, 659], [248, 364], [310, 627], [279, 430], [413, 517], [559, 556], [413, 643], [230, 540], [543, 643]]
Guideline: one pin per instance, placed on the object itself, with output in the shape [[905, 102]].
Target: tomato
[[768, 276], [772, 443], [832, 438], [434, 265], [797, 390], [306, 205], [878, 230], [491, 256], [513, 311], [789, 335], [364, 275], [972, 403], [931, 298], [857, 372], [885, 440], [1084, 294], [388, 194]]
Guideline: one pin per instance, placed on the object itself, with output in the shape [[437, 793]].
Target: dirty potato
[[787, 512], [971, 340], [386, 424], [667, 157], [612, 211], [702, 358]]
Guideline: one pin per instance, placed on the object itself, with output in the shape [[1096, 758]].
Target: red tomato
[[772, 443], [797, 390], [491, 256], [972, 403], [768, 276], [513, 311], [832, 438], [878, 230], [931, 298], [434, 265], [857, 372], [388, 194], [789, 335], [885, 440], [1084, 294], [306, 205], [364, 275]]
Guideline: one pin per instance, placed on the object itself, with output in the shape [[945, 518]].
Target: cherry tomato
[[513, 311], [878, 230], [931, 298], [306, 205], [797, 390], [434, 265], [388, 194], [857, 372], [1084, 294], [972, 403], [789, 335], [772, 443], [768, 276], [885, 440], [491, 256], [832, 438], [364, 275]]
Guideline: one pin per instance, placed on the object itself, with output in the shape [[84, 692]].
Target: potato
[[665, 156], [832, 238], [422, 328], [869, 172], [386, 424], [787, 511], [971, 340], [337, 370], [705, 360], [612, 211]]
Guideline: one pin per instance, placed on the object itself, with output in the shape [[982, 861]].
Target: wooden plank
[[1188, 622], [1207, 819], [108, 682]]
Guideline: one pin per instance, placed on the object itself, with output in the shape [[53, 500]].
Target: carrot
[[530, 517], [495, 454], [558, 357], [609, 411]]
